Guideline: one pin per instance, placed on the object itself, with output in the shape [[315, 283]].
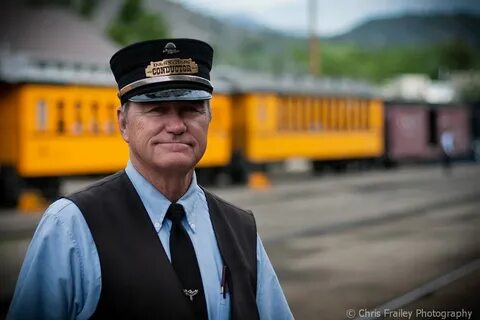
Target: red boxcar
[[413, 130]]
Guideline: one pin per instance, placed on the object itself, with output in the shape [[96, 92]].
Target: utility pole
[[314, 51]]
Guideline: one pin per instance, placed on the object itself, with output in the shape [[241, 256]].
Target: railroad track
[[419, 292]]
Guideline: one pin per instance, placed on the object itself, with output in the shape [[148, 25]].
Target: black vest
[[138, 281]]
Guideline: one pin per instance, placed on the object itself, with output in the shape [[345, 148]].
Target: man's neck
[[172, 184]]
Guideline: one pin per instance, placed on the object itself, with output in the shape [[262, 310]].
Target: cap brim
[[172, 95]]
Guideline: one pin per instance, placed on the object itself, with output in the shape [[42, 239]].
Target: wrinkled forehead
[[174, 104]]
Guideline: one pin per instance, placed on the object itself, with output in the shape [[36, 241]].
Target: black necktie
[[185, 263]]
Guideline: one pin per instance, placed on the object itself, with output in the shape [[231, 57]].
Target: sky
[[333, 16]]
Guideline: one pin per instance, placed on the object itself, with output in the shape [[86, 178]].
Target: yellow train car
[[326, 127], [51, 131], [280, 127]]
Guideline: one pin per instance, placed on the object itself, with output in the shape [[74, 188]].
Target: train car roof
[[241, 81], [47, 44]]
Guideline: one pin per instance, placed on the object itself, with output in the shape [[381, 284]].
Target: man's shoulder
[[62, 212]]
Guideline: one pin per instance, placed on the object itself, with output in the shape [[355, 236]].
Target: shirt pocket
[[224, 307]]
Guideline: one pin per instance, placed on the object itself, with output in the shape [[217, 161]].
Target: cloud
[[332, 16]]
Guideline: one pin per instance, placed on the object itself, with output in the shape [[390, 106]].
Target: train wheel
[[339, 166], [239, 169], [51, 191], [49, 186], [207, 176], [318, 167], [10, 186]]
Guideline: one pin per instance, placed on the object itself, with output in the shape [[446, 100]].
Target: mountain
[[236, 40], [249, 45], [394, 45], [414, 30]]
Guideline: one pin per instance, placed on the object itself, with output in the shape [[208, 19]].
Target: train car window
[[298, 114], [342, 115], [329, 114], [305, 103], [348, 118], [77, 124], [316, 114], [311, 115], [94, 126], [432, 126], [288, 113], [352, 115], [60, 117], [284, 108], [325, 114], [41, 115], [262, 110], [294, 114], [307, 106], [338, 114], [306, 113], [307, 118], [279, 114], [334, 114], [303, 107], [111, 113], [356, 115], [368, 115], [476, 121], [363, 115]]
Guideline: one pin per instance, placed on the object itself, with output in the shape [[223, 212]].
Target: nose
[[175, 124]]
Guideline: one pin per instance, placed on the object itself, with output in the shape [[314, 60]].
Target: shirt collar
[[157, 204]]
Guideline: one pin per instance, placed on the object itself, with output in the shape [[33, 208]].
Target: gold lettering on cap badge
[[171, 66]]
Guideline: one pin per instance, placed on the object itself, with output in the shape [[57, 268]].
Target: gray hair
[[124, 107]]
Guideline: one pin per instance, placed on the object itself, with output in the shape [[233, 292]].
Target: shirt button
[[157, 226], [193, 225]]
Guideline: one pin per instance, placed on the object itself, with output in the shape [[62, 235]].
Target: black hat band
[[142, 82]]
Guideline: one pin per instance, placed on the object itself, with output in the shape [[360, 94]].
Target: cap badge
[[171, 66], [170, 48]]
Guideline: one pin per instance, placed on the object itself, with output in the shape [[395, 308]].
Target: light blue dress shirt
[[61, 279]]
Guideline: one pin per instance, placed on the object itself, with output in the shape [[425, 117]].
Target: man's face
[[169, 135]]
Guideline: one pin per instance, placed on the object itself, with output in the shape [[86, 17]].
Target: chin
[[175, 164]]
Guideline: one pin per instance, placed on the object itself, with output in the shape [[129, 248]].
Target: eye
[[194, 107], [157, 110]]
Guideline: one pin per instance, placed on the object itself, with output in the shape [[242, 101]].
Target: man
[[97, 254], [448, 147]]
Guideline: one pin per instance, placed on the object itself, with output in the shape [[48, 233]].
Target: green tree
[[133, 24], [457, 55]]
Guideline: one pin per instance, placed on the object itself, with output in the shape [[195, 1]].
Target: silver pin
[[190, 293]]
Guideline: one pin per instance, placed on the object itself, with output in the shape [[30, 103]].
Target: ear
[[122, 123]]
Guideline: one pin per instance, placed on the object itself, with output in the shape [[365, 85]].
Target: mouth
[[176, 142], [175, 145]]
